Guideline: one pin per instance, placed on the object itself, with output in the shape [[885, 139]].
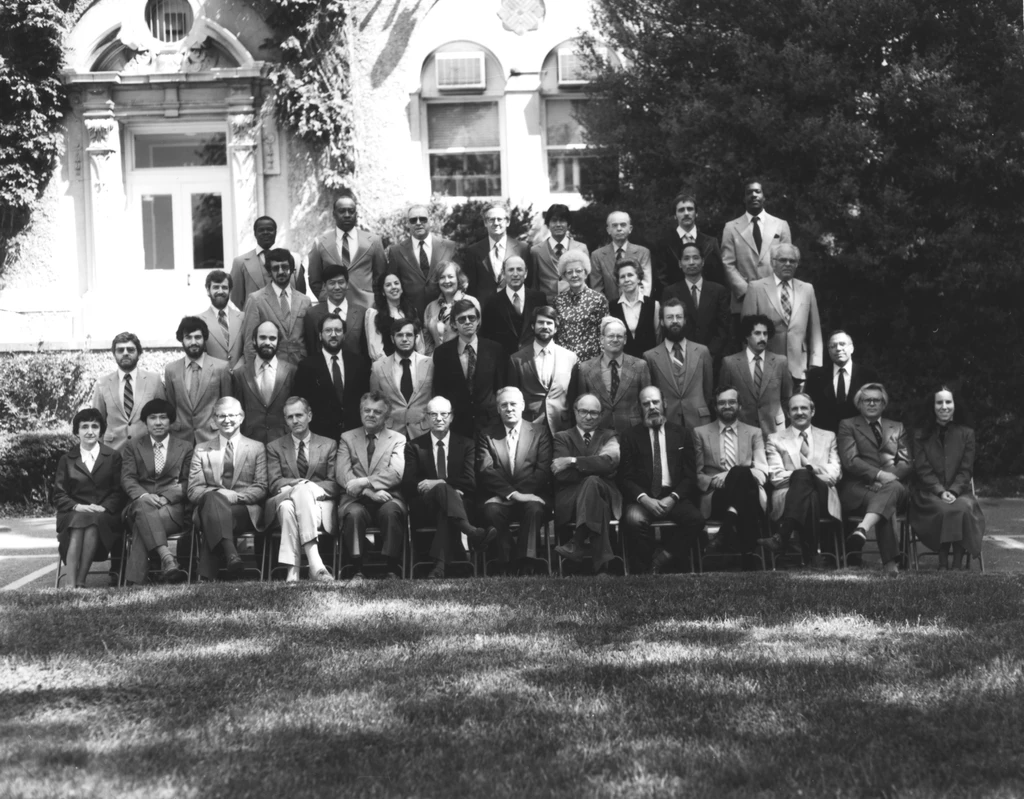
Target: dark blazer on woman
[[644, 338], [76, 485]]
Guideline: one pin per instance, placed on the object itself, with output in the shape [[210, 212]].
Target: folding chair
[[914, 540], [838, 553], [274, 536], [415, 564], [245, 544], [61, 571], [372, 559], [763, 554], [128, 541], [904, 538], [547, 531]]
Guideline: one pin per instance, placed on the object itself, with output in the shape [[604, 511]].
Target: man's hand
[[425, 486], [519, 497], [355, 485], [232, 496], [666, 504], [153, 500], [378, 496], [718, 480], [559, 465], [652, 506], [885, 477], [948, 497], [285, 491]]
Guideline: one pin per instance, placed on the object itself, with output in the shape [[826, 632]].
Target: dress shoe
[[234, 565], [855, 541], [660, 561], [437, 573], [357, 578], [481, 539], [571, 551], [891, 569], [170, 571], [773, 542], [602, 575], [322, 576], [716, 546], [390, 575]]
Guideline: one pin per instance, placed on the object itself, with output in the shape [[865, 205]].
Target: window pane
[[153, 151], [562, 127], [466, 175], [581, 171], [207, 232], [158, 231], [467, 125]]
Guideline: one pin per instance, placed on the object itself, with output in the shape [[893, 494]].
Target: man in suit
[[804, 464], [876, 465], [706, 304], [747, 242], [603, 259], [227, 483], [469, 370], [371, 462], [833, 386], [792, 307], [440, 470], [332, 380], [483, 260], [681, 369], [301, 467], [414, 257], [336, 304], [154, 473], [668, 255], [616, 379], [359, 251], [731, 473], [761, 378], [586, 497], [223, 320], [659, 478], [120, 395], [546, 253], [546, 373], [513, 476], [249, 271], [280, 304], [262, 387], [508, 315], [194, 383], [406, 378]]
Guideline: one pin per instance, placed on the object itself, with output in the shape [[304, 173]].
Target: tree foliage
[[890, 133]]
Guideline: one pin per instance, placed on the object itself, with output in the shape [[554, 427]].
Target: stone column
[[105, 201], [243, 144]]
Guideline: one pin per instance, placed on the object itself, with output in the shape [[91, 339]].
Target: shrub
[[391, 226], [466, 222], [28, 462]]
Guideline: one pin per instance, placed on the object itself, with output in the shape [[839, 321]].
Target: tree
[[890, 133]]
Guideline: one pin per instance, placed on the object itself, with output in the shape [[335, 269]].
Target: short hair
[[89, 415], [752, 179], [442, 398], [800, 394], [550, 311], [219, 276], [721, 389], [510, 390], [459, 307], [334, 271], [190, 324], [748, 323], [126, 338], [158, 405], [671, 302], [279, 254], [438, 269], [298, 400], [424, 206], [405, 321], [612, 320], [375, 396], [684, 196], [343, 194], [491, 206], [557, 211], [617, 211], [778, 246], [838, 332], [576, 404], [871, 387], [323, 321], [573, 257], [629, 262], [256, 330], [695, 246], [264, 219]]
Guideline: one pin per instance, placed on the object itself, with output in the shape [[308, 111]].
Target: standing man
[[300, 468], [833, 386], [120, 395], [249, 271], [194, 383], [668, 256], [547, 253], [371, 462], [508, 315], [359, 251], [792, 307], [546, 373], [706, 304], [681, 369], [603, 259], [761, 378], [483, 261], [586, 497], [747, 243], [280, 304], [336, 304], [223, 320], [413, 257], [406, 379], [263, 386], [616, 379]]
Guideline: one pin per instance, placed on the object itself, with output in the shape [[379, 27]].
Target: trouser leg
[[291, 546], [498, 515]]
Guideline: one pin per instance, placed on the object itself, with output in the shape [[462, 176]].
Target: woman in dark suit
[[88, 497], [638, 312], [943, 509]]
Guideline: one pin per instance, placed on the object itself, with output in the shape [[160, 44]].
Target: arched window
[[169, 20]]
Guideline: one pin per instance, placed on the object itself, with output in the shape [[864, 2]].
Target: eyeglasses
[[872, 400], [496, 219], [439, 414], [588, 413], [466, 320], [417, 220], [223, 417], [280, 268]]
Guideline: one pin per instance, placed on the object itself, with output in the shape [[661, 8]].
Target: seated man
[[440, 468], [731, 471], [513, 474], [154, 471], [804, 464], [371, 462], [659, 478], [300, 467], [227, 483], [876, 462], [586, 497]]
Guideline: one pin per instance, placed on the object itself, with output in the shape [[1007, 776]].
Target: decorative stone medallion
[[521, 16]]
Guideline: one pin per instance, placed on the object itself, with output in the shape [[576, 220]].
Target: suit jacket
[[942, 467], [107, 398], [420, 464], [602, 269], [217, 346], [138, 469], [531, 472], [762, 408], [74, 484], [800, 340], [404, 258], [669, 253], [553, 402], [783, 453], [545, 265], [264, 421], [621, 412], [499, 322], [368, 265], [249, 479], [408, 417], [636, 475], [742, 262], [477, 408], [862, 458], [249, 275], [283, 471], [600, 459], [385, 470], [263, 306], [749, 452], [195, 423], [689, 401], [313, 382], [476, 263], [355, 329], [710, 323], [828, 411]]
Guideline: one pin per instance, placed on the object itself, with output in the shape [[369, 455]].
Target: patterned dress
[[580, 328]]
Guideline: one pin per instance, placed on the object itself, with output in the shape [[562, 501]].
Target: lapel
[[273, 306], [592, 371], [255, 269], [664, 364], [775, 295], [279, 381], [249, 375], [768, 229], [716, 443], [379, 447], [205, 378], [419, 375], [745, 375], [79, 465], [525, 439], [328, 244], [210, 317], [291, 455], [743, 454], [747, 233], [241, 460], [389, 377], [149, 459], [820, 449], [689, 367]]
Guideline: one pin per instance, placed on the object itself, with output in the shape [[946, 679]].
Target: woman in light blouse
[[451, 283], [581, 308], [639, 313], [390, 303]]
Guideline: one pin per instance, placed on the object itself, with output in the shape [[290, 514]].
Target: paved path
[[28, 547]]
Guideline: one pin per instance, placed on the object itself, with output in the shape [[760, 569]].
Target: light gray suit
[[408, 417], [707, 443], [687, 399], [369, 264], [602, 269], [742, 261], [264, 306], [554, 401], [783, 455], [800, 340], [229, 350], [108, 399], [759, 408], [194, 422], [249, 275], [622, 411], [283, 472]]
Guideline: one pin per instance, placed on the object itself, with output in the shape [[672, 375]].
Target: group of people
[[482, 393]]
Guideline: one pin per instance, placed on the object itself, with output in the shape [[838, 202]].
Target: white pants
[[303, 519]]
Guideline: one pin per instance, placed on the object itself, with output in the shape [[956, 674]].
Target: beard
[[267, 352], [675, 333], [219, 301], [332, 347], [194, 350]]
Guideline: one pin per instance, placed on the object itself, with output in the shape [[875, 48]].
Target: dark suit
[[355, 334], [477, 409], [476, 263], [669, 252], [500, 322], [313, 382], [709, 324], [829, 412], [264, 421], [404, 258], [74, 484]]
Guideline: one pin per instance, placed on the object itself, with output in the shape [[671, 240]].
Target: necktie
[[424, 261], [757, 234], [787, 305], [512, 441], [615, 378], [693, 293], [517, 306], [728, 449], [158, 458], [677, 353], [618, 255], [805, 447], [266, 384], [587, 439], [301, 462], [227, 473], [542, 368], [876, 428], [193, 388], [496, 266], [222, 320], [470, 366], [339, 383], [841, 385], [371, 445], [658, 475], [442, 462], [129, 396], [758, 373], [346, 259], [285, 308], [406, 380], [263, 259], [559, 249]]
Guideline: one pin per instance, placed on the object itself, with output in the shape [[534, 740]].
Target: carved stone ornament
[[521, 16], [196, 56]]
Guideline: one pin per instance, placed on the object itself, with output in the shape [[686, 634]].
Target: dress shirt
[[340, 310], [512, 297], [548, 361], [218, 465], [606, 370], [760, 221], [463, 358], [428, 248], [513, 443], [296, 442], [800, 443], [434, 441], [735, 436], [278, 291], [496, 264], [89, 457], [699, 283], [396, 367], [848, 366], [353, 243], [750, 360], [631, 310], [617, 248], [270, 367], [564, 242], [666, 478], [200, 362], [330, 365], [669, 345], [687, 235], [135, 385]]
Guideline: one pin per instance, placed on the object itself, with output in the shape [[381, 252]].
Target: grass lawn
[[720, 685]]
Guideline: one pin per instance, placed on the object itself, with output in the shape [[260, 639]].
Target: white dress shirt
[[699, 283], [545, 365], [435, 441], [687, 235], [631, 310], [396, 367], [512, 297], [266, 375], [848, 367], [463, 358], [750, 361], [199, 362], [340, 310], [512, 441], [428, 248], [498, 261], [330, 364], [353, 243], [218, 463], [666, 477], [89, 457], [135, 385]]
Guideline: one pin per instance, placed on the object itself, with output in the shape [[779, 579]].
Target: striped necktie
[[301, 462], [129, 396], [728, 448]]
